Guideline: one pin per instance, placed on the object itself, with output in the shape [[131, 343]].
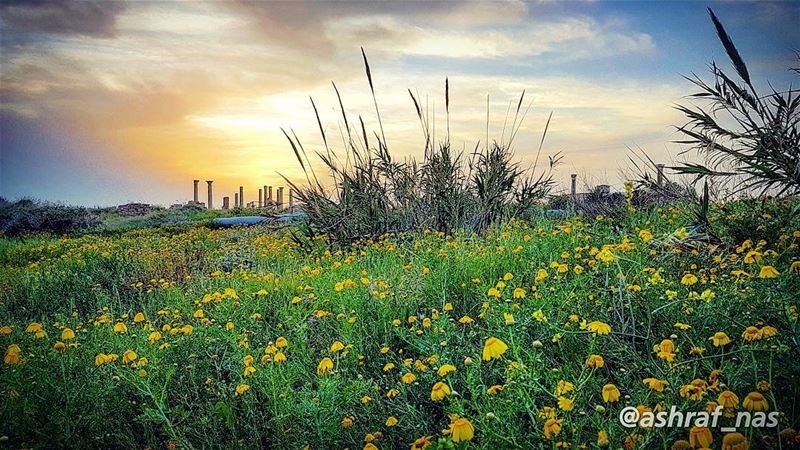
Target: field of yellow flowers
[[535, 334]]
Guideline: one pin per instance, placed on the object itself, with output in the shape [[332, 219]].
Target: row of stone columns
[[264, 197]]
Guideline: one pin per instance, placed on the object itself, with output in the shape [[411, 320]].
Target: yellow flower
[[755, 401], [541, 275], [5, 329], [519, 293], [280, 357], [33, 327], [552, 428], [597, 327], [563, 387], [138, 318], [281, 342], [100, 359], [494, 389], [645, 235], [249, 370], [666, 350], [565, 403], [655, 384], [508, 318], [700, 437], [728, 399], [461, 430], [325, 366], [610, 393], [768, 272], [692, 391], [602, 439], [465, 320], [242, 388], [120, 327], [595, 361], [336, 346], [59, 346], [391, 421], [67, 334], [688, 279], [752, 334], [129, 356], [768, 331], [539, 316], [735, 441], [493, 348], [720, 339], [440, 391], [493, 292], [752, 257], [606, 256], [445, 369], [12, 355], [347, 422], [408, 378]]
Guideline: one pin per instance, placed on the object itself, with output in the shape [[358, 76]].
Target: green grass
[[400, 297]]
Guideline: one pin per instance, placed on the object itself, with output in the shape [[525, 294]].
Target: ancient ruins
[[265, 198]]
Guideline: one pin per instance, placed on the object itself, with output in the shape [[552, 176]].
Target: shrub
[[26, 216], [374, 194]]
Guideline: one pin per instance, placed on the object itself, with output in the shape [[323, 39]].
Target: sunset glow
[[131, 101]]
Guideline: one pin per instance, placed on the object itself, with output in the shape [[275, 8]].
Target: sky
[[106, 102]]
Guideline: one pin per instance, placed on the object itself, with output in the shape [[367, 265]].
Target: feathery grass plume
[[373, 193]]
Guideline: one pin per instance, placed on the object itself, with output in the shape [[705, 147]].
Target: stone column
[[236, 200], [260, 198], [226, 202], [291, 198], [266, 203], [270, 192], [241, 196], [573, 190], [280, 198], [210, 204], [660, 170], [196, 191]]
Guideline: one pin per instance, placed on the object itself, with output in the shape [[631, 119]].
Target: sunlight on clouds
[[201, 90]]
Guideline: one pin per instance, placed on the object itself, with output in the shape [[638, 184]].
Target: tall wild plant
[[373, 194], [749, 140]]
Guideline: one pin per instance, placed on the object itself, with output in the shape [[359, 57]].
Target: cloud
[[173, 91], [301, 25], [61, 17], [571, 38]]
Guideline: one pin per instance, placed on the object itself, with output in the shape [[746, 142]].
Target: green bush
[[26, 216], [374, 194]]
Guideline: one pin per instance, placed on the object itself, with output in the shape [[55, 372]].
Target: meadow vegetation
[[431, 304], [531, 334]]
